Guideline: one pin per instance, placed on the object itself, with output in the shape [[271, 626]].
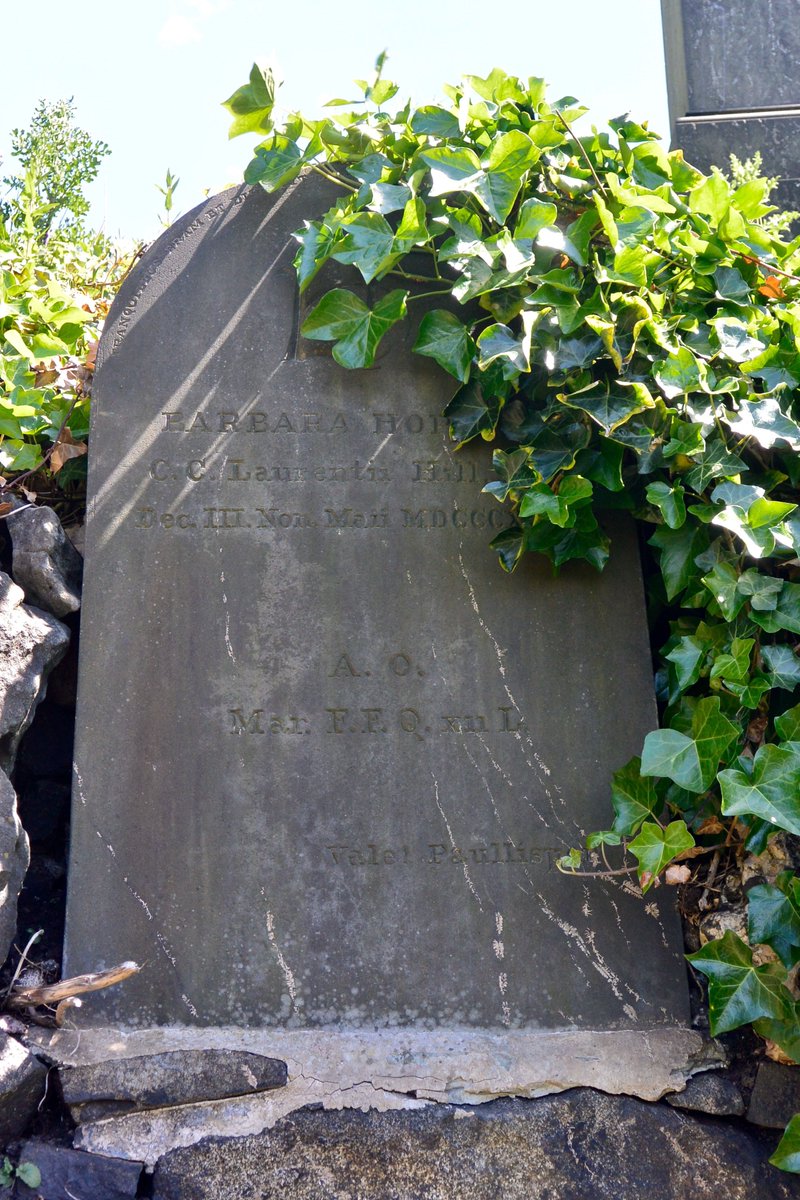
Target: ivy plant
[[625, 331]]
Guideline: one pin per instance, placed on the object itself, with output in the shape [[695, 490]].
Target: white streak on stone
[[388, 438], [291, 987], [467, 875], [589, 952], [523, 740]]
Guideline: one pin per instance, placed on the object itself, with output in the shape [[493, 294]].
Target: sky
[[149, 76]]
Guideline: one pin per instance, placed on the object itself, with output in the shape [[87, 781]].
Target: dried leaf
[[773, 1051], [5, 508], [711, 825], [65, 448], [771, 287], [676, 875], [91, 355]]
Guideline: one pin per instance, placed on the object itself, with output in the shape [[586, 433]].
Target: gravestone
[[733, 85], [328, 752]]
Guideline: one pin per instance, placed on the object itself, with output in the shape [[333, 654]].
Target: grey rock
[[15, 857], [710, 1093], [578, 1146], [45, 563], [31, 643], [159, 1080], [775, 1098], [22, 1086], [72, 1175]]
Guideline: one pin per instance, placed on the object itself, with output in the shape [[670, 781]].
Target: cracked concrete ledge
[[377, 1069]]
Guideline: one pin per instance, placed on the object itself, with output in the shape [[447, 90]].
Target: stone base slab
[[378, 1069]]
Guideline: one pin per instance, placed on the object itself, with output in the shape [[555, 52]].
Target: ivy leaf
[[608, 408], [738, 992], [470, 412], [345, 319], [444, 338], [389, 197], [787, 725], [679, 548], [762, 590], [784, 1031], [679, 374], [451, 169], [771, 792], [634, 798], [690, 761], [498, 342], [688, 657], [668, 499], [29, 1174], [765, 422], [316, 242], [782, 665], [787, 1154], [655, 848], [735, 666], [534, 215], [723, 583], [773, 919], [498, 184], [604, 837], [435, 121], [368, 244], [540, 500], [509, 546], [412, 227], [785, 614], [731, 285], [251, 105], [712, 197], [735, 342], [275, 165]]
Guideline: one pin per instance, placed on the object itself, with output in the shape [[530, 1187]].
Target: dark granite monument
[[328, 752], [733, 81]]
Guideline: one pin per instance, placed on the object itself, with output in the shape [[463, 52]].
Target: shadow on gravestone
[[328, 752]]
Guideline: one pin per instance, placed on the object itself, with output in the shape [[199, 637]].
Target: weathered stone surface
[[574, 1147], [382, 1069], [31, 643], [740, 55], [328, 789], [119, 1086], [710, 1093], [44, 562], [22, 1084], [71, 1175], [775, 1099], [15, 857]]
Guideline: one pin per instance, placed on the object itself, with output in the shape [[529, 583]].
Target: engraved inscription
[[437, 854]]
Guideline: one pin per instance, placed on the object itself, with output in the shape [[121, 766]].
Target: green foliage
[[60, 159], [27, 1173], [626, 331], [57, 280], [746, 176]]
